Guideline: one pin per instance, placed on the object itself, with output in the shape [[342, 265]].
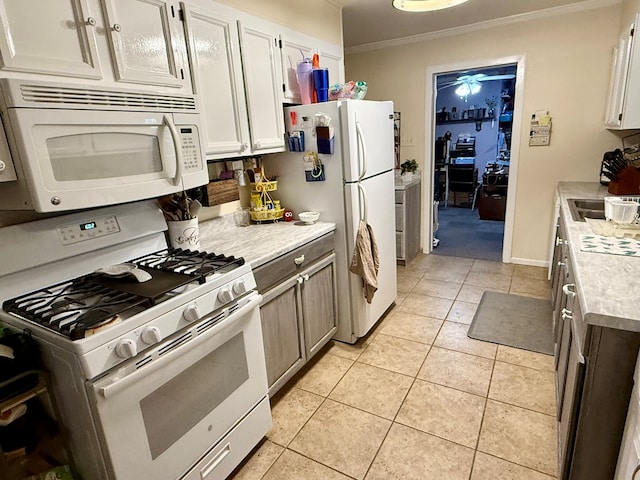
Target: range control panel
[[79, 232]]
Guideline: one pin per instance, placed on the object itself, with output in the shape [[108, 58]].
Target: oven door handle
[[119, 384], [176, 146]]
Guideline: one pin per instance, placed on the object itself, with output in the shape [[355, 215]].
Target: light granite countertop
[[258, 243], [608, 285]]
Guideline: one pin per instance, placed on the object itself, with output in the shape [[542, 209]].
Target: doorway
[[473, 114]]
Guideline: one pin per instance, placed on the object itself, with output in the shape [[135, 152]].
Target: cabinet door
[[281, 334], [332, 57], [55, 37], [214, 52], [294, 49], [146, 41], [263, 85], [568, 408], [618, 81], [319, 304]]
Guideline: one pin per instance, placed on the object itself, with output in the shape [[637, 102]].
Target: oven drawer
[[236, 445]]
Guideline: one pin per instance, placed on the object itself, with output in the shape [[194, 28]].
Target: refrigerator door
[[372, 199], [367, 138]]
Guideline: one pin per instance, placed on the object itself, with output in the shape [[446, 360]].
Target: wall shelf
[[465, 120]]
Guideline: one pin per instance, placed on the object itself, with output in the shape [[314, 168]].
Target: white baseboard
[[528, 261]]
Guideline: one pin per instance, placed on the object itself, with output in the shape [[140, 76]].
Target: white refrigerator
[[358, 183]]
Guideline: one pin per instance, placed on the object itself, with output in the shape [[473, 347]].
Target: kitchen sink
[[582, 208]]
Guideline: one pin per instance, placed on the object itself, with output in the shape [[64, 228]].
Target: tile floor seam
[[520, 406], [320, 463], [274, 461], [526, 366], [516, 463]]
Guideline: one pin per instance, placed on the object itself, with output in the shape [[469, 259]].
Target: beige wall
[[567, 72], [629, 9], [319, 18]]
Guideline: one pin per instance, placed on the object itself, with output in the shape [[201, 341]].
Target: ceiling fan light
[[475, 88], [425, 5], [463, 90]]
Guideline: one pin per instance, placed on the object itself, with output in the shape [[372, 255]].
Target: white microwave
[[72, 147]]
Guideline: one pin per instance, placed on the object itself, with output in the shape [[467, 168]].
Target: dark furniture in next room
[[492, 199], [463, 180]]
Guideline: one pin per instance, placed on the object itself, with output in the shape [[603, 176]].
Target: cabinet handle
[[305, 277], [569, 289], [116, 27], [562, 264], [299, 260], [567, 314], [91, 21], [299, 280], [560, 241]]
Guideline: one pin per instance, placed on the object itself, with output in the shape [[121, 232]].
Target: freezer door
[[367, 138], [374, 198]]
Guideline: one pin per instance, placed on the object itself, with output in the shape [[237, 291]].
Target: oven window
[[178, 405], [90, 156]]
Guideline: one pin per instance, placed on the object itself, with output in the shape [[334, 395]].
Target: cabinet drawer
[[399, 196], [399, 218], [284, 267]]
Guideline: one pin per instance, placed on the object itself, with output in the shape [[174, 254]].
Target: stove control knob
[[239, 287], [191, 313], [225, 295], [126, 348], [151, 335]]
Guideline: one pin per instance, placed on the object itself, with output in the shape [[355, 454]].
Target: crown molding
[[474, 27]]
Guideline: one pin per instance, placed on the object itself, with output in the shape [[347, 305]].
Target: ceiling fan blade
[[496, 77]]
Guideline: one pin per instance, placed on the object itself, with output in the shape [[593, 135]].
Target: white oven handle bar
[[166, 119], [120, 384]]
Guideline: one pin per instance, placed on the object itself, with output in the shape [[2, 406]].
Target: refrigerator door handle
[[363, 149], [362, 202]]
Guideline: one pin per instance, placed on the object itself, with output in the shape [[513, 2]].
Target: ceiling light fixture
[[425, 5], [468, 88]]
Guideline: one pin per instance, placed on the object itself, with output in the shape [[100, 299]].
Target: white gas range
[[160, 379]]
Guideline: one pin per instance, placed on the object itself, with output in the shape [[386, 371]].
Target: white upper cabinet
[[263, 84], [214, 50], [147, 42], [236, 74], [293, 46], [55, 37], [623, 109]]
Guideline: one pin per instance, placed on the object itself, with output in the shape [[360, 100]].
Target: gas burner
[[194, 263], [76, 308]]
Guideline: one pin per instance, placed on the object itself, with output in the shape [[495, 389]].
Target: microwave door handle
[[177, 147]]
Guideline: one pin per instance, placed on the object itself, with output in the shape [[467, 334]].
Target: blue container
[[321, 84]]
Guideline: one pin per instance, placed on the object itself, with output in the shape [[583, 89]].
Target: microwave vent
[[64, 97]]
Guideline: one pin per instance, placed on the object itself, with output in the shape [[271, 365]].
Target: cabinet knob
[[305, 278], [567, 314], [116, 27], [561, 264], [299, 280], [245, 146], [91, 21], [569, 289], [299, 260]]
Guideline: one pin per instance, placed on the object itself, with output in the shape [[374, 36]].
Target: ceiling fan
[[470, 84]]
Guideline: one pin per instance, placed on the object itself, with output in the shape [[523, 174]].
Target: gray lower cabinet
[[407, 222], [594, 369], [299, 309]]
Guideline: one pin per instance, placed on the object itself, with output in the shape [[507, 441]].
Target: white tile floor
[[417, 398]]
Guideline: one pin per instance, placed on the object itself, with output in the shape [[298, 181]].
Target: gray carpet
[[463, 234], [512, 320]]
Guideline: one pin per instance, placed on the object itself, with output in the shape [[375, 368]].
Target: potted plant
[[491, 105], [409, 168]]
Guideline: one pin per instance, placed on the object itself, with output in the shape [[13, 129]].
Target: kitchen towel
[[611, 245], [365, 262]]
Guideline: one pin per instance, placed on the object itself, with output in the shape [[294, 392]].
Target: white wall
[[318, 18], [568, 58]]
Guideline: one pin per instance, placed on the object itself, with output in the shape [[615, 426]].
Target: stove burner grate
[[194, 263]]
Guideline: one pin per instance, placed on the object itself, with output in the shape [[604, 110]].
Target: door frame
[[429, 123]]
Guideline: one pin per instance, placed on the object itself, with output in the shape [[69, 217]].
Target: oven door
[[159, 420], [75, 159]]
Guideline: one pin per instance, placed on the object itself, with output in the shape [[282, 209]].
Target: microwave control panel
[[190, 149], [79, 232]]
